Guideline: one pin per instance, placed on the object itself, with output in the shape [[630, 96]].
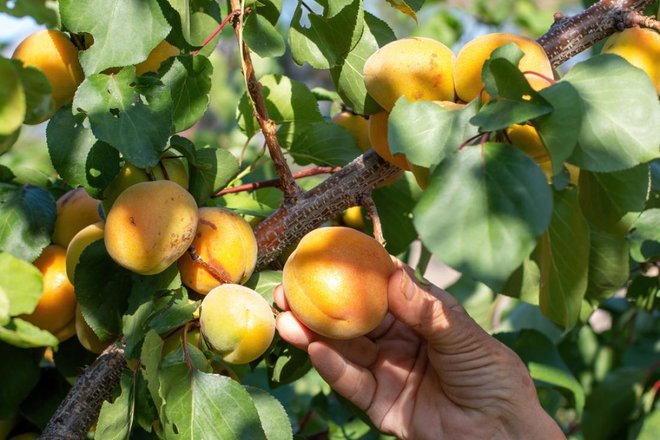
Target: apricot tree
[[198, 154]]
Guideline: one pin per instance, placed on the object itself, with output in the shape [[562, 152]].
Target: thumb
[[431, 312]]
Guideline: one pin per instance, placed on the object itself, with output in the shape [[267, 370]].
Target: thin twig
[[219, 28], [634, 18], [275, 183], [372, 212], [219, 273]]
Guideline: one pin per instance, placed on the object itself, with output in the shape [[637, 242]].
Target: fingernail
[[407, 286]]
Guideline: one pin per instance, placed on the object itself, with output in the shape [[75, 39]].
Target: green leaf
[[426, 133], [563, 259], [215, 169], [202, 405], [619, 125], [644, 236], [21, 282], [611, 202], [560, 129], [134, 118], [650, 426], [189, 79], [347, 74], [39, 101], [116, 418], [545, 364], [286, 363], [4, 306], [150, 359], [274, 419], [609, 267], [265, 282], [503, 202], [42, 12], [177, 312], [510, 52], [27, 219], [321, 143], [102, 289], [12, 98], [408, 7], [262, 37], [22, 334], [645, 292], [515, 102], [192, 22], [23, 368], [126, 35]]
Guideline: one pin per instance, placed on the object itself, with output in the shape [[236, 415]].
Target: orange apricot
[[336, 282], [418, 68], [86, 236], [150, 226], [54, 54], [356, 125], [156, 57], [378, 138], [237, 323], [226, 251], [641, 48], [75, 210]]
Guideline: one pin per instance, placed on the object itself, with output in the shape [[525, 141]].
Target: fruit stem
[[469, 141], [372, 212], [216, 272], [275, 183], [551, 81]]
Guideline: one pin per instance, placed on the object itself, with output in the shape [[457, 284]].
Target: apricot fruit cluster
[[335, 282]]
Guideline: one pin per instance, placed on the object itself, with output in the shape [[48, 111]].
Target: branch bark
[[305, 211]]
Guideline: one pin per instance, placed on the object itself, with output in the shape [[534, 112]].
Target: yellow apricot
[[156, 57], [150, 226], [237, 323], [378, 138], [66, 332], [336, 282], [80, 241], [86, 335], [75, 210], [527, 139], [171, 167], [471, 58], [356, 125], [418, 68], [52, 52], [641, 48], [57, 304], [226, 248], [353, 218]]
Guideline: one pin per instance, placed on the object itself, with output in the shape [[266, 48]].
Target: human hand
[[428, 371]]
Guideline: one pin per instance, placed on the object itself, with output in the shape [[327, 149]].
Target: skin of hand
[[428, 371]]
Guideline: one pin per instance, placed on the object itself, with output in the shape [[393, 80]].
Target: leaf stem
[[275, 183]]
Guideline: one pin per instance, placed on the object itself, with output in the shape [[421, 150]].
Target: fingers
[[280, 298], [348, 378]]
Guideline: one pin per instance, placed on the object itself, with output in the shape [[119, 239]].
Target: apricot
[[65, 333], [471, 58], [156, 57], [380, 143], [150, 226], [57, 305], [641, 48], [173, 341], [171, 167], [418, 68], [75, 210], [87, 337], [353, 218], [356, 125], [237, 323], [86, 236], [336, 282], [226, 248], [54, 54], [527, 139]]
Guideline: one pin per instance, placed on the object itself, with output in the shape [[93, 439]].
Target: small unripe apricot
[[336, 282], [53, 53], [80, 241], [57, 305], [378, 138], [75, 210], [418, 68], [237, 323], [641, 48], [86, 335], [226, 251], [156, 57], [150, 226], [353, 218], [470, 61], [356, 125]]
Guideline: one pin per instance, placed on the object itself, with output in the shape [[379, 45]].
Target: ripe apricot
[[641, 48], [75, 210], [57, 305], [150, 226], [378, 138], [336, 282], [527, 139], [226, 248], [471, 58], [237, 323], [86, 335], [353, 218], [356, 125], [86, 236], [418, 68], [66, 332], [52, 52], [156, 57]]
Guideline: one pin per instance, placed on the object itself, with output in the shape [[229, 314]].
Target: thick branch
[[81, 407], [289, 186]]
